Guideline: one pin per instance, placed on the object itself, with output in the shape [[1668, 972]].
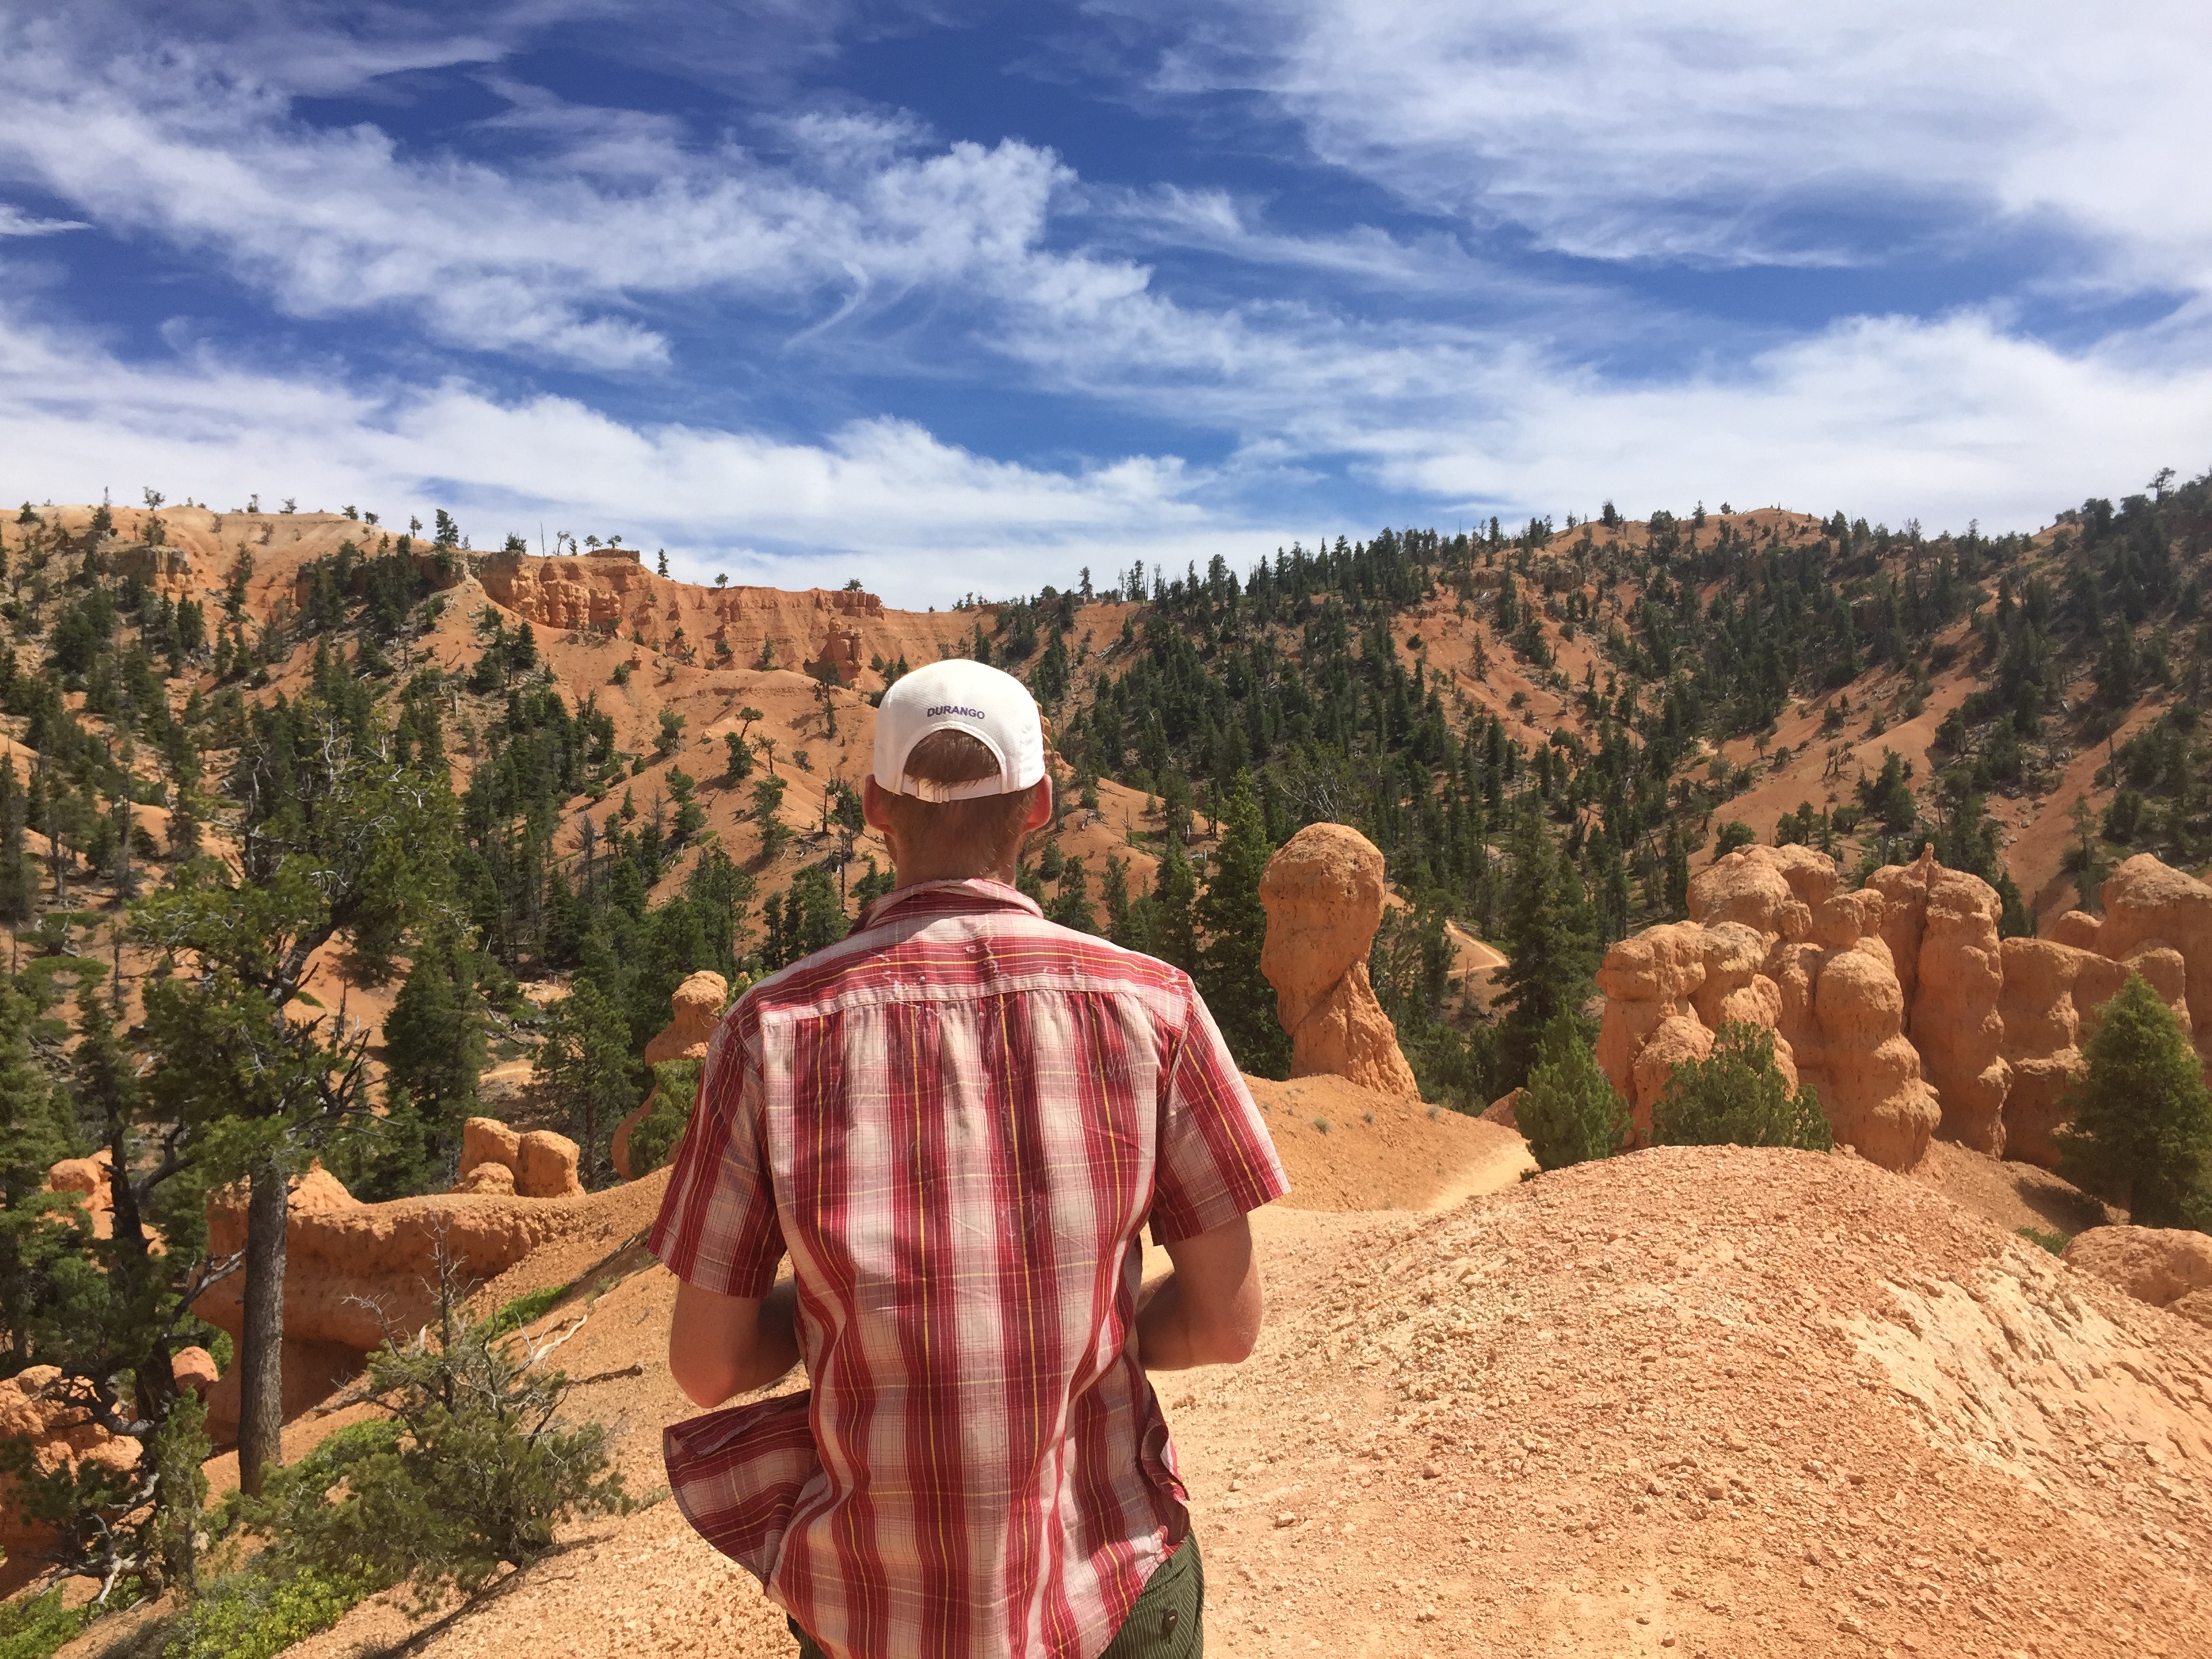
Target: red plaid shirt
[[956, 1120]]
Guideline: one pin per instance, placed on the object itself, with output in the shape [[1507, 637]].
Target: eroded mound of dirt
[[1709, 1400]]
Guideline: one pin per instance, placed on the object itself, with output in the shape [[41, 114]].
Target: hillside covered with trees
[[316, 837]]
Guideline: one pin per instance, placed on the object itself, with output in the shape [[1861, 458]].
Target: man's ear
[[1040, 806], [872, 804]]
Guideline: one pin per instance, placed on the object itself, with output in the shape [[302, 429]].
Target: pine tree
[[36, 1131], [1071, 904], [2142, 1131], [1568, 1109], [1551, 942], [19, 873], [1114, 894], [1737, 1095], [434, 1038], [587, 1066], [1235, 926], [1172, 930]]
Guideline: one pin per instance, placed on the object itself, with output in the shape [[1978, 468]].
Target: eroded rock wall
[[1898, 1003], [354, 1271], [1771, 943]]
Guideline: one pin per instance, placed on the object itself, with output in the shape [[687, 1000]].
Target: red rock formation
[[1771, 943], [610, 592], [1941, 926], [495, 1159], [1679, 971], [546, 1166], [353, 1270], [568, 593], [695, 1008], [2049, 1003], [1870, 993], [1324, 895], [61, 1435], [839, 659], [2150, 907], [88, 1178]]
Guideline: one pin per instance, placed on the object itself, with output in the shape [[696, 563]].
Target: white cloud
[[1737, 131], [1451, 380], [541, 256], [1947, 421], [14, 221], [921, 521]]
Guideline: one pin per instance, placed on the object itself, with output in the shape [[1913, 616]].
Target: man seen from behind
[[956, 1123]]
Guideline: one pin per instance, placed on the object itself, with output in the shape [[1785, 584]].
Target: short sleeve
[[1216, 1160], [718, 1229]]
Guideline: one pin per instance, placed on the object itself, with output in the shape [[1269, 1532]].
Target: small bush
[[1322, 1125], [1737, 1095], [255, 1614], [471, 1468], [2054, 1243], [1568, 1111], [526, 1308], [34, 1627], [1732, 835]]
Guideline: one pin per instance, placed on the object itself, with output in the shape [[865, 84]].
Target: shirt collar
[[946, 898]]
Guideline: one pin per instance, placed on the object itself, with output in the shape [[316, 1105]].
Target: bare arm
[[721, 1345], [1207, 1310]]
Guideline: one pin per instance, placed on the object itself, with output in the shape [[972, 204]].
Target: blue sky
[[962, 297]]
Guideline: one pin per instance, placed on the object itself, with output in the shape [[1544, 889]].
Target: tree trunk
[[260, 1358], [156, 1373]]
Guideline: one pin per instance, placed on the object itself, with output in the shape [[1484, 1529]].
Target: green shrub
[[34, 1627], [652, 1138], [2141, 1129], [1567, 1110], [525, 1309], [472, 1466], [1737, 1095], [256, 1612], [2053, 1242], [1734, 835]]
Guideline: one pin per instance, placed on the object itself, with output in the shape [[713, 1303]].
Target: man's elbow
[[704, 1381], [1230, 1340], [1231, 1348]]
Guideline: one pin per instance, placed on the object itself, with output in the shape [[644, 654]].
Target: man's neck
[[924, 874]]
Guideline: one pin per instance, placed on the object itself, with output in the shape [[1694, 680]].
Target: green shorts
[[1167, 1623]]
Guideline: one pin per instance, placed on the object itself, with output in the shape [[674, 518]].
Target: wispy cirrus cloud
[[1733, 131], [544, 251], [14, 221]]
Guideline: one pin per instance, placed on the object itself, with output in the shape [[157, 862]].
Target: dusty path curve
[[1472, 955]]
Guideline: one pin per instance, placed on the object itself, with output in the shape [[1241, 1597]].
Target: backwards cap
[[956, 695]]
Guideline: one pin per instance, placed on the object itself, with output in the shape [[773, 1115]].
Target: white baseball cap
[[956, 695]]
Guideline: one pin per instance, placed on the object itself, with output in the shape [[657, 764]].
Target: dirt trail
[[1348, 1148], [1691, 1401]]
